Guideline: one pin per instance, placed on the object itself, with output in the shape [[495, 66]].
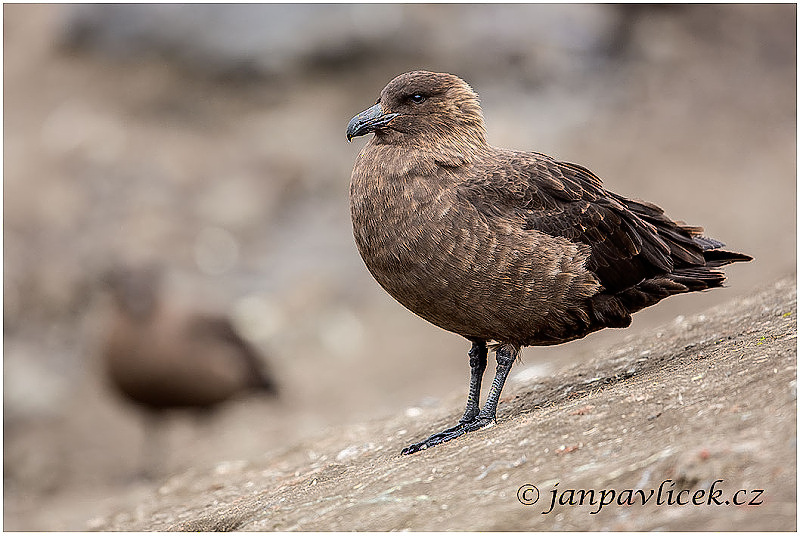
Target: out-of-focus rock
[[274, 39]]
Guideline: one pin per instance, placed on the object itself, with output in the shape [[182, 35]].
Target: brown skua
[[506, 248], [163, 356]]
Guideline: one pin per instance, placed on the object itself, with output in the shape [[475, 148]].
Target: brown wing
[[630, 241]]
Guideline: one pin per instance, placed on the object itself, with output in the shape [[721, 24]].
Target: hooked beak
[[369, 120]]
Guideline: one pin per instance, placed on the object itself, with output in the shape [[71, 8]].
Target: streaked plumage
[[504, 247]]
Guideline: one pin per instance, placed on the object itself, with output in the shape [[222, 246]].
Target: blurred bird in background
[[161, 356]]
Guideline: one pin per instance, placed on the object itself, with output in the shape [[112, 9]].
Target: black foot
[[451, 433]]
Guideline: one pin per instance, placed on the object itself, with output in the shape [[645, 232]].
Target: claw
[[450, 433]]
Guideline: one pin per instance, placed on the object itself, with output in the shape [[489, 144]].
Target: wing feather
[[630, 240]]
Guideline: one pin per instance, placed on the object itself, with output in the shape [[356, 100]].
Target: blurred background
[[210, 139]]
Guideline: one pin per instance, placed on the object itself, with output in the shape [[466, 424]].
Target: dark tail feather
[[695, 262], [615, 311], [717, 257], [714, 256], [697, 278]]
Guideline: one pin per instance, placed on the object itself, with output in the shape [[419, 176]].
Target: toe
[[448, 434]]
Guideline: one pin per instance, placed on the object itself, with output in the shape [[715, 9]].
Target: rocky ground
[[124, 143], [707, 402]]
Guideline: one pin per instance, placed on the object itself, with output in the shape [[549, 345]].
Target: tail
[[691, 278], [696, 259], [260, 377]]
